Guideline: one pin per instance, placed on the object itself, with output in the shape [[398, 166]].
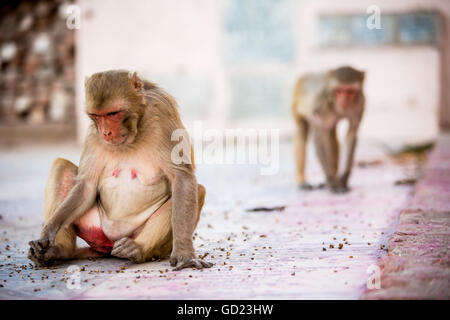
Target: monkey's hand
[[181, 261], [42, 253], [341, 185], [48, 235], [126, 248], [305, 186], [337, 185], [340, 189]]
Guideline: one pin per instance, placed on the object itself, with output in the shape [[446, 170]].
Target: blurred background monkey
[[320, 100]]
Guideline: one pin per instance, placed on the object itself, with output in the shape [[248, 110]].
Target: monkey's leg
[[201, 201], [301, 139], [155, 239], [327, 149], [61, 180]]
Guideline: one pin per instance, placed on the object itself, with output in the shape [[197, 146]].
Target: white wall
[[184, 40], [402, 83], [154, 38]]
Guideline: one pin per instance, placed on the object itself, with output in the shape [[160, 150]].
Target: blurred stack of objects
[[37, 51]]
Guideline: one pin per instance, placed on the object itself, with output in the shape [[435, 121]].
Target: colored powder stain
[[133, 174], [96, 239]]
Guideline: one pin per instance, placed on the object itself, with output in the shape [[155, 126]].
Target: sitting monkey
[[127, 198], [320, 100]]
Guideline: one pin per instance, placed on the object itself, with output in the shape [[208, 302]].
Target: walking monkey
[[319, 101]]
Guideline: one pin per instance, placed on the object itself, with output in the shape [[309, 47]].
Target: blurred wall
[[233, 63], [403, 83]]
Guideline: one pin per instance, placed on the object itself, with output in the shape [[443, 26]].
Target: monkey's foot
[[321, 185], [305, 186], [180, 262], [339, 189], [308, 187], [41, 253], [126, 248]]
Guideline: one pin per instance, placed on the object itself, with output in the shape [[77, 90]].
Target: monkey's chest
[[324, 120], [129, 190], [128, 196]]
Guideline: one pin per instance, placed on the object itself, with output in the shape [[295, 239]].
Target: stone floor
[[417, 265], [321, 246]]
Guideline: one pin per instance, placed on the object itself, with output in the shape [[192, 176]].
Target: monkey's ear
[[137, 82]]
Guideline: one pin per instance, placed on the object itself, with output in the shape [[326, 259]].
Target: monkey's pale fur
[[153, 213]]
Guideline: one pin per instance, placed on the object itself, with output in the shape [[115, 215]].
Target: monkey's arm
[[327, 150], [80, 199], [184, 217], [184, 211], [350, 145]]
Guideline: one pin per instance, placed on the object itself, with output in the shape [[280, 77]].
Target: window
[[258, 30], [414, 28]]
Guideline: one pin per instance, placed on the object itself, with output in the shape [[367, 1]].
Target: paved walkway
[[417, 265], [321, 246]]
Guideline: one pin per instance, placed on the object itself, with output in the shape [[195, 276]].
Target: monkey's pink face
[[345, 95], [110, 125]]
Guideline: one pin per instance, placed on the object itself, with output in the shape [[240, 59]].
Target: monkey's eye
[[114, 113]]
